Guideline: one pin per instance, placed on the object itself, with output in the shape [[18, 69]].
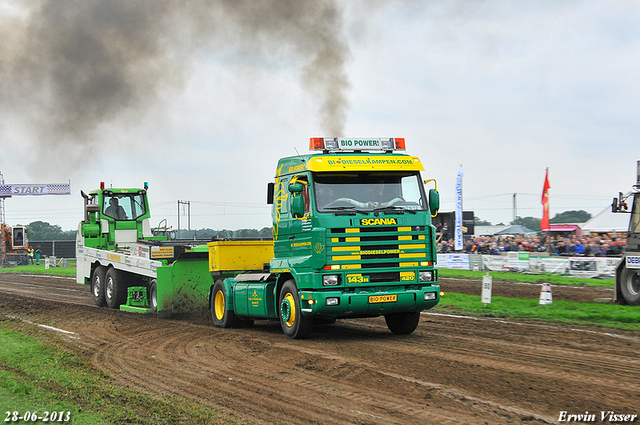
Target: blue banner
[[458, 227]]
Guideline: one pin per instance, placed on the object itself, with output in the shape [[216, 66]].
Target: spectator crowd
[[571, 245]]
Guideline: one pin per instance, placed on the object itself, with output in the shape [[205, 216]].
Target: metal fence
[[59, 249]]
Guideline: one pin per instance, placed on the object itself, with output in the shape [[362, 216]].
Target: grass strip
[[588, 314], [70, 270], [35, 377]]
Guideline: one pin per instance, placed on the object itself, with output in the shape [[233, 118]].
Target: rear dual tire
[[97, 285], [115, 288]]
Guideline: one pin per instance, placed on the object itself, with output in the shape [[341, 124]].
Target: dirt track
[[452, 370]]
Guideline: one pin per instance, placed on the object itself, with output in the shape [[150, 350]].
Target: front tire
[[222, 317], [630, 286], [115, 290], [402, 323], [293, 323], [97, 285]]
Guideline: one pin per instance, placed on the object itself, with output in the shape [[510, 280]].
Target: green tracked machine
[[352, 237]]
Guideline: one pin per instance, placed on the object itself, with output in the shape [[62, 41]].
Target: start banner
[[9, 190]]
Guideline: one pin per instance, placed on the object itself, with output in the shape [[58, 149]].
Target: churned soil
[[452, 370]]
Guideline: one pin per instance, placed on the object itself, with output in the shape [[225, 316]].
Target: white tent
[[607, 222]]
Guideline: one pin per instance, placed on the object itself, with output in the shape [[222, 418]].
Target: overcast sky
[[201, 101]]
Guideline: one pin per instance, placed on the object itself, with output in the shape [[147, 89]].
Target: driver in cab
[[376, 195], [115, 210]]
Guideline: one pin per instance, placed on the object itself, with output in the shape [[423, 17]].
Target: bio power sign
[[351, 144]]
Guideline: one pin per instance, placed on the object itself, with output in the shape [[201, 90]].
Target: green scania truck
[[352, 237]]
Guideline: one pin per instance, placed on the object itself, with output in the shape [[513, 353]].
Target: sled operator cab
[[115, 217]]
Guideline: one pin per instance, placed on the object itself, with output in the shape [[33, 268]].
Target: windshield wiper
[[393, 209], [346, 210], [339, 208]]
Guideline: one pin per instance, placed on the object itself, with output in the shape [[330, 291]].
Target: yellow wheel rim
[[292, 309], [218, 304]]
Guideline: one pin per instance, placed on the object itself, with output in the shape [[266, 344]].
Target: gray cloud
[[71, 66]]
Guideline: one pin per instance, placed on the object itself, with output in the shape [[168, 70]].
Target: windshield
[[368, 191], [123, 206]]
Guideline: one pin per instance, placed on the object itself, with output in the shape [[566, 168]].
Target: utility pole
[[188, 205], [515, 207]]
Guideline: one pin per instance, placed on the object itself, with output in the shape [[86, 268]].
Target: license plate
[[382, 299]]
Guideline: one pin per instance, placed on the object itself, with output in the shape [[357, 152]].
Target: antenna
[[297, 153]]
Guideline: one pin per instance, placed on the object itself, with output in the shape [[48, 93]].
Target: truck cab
[[352, 238]]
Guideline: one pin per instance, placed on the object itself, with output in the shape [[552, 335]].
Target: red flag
[[544, 223]]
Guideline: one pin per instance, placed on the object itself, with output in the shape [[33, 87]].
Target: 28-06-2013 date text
[[35, 416]]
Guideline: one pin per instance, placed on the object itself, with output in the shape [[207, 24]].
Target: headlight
[[330, 280], [426, 276], [332, 301], [430, 296]]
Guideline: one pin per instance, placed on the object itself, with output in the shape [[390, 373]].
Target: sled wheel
[[97, 285], [630, 286], [293, 323], [222, 317], [115, 290], [402, 323], [153, 295]]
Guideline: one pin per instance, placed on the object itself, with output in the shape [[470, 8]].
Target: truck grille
[[379, 254]]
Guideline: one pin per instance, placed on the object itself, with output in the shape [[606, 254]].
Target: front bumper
[[367, 302]]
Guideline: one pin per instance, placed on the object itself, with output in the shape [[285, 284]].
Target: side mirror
[[297, 200], [270, 192], [434, 202], [295, 187], [297, 205]]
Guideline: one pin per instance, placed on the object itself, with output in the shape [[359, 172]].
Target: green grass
[[528, 278], [35, 377], [70, 270], [590, 314]]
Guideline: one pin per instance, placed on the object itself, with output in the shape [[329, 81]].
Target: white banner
[[453, 261], [587, 267], [9, 190]]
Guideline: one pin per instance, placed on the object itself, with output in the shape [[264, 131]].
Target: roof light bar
[[356, 144]]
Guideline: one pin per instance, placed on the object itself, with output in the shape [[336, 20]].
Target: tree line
[[43, 231], [533, 223]]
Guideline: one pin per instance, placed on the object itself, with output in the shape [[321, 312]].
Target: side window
[[281, 197], [307, 199], [137, 206]]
